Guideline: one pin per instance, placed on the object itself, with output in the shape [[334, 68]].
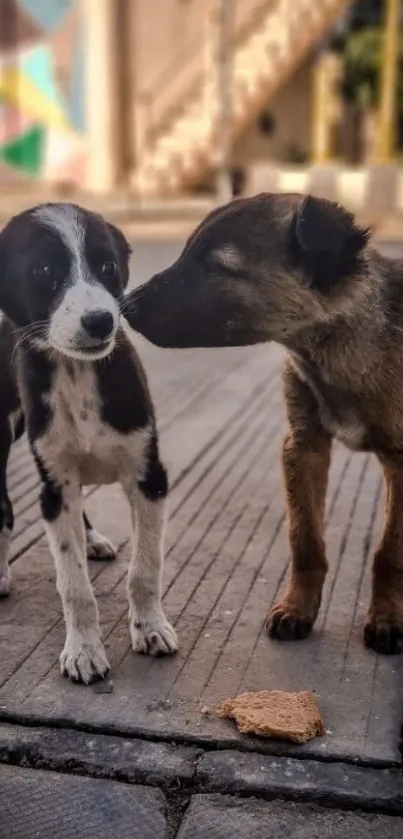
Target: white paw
[[83, 658], [5, 582], [98, 546], [153, 635]]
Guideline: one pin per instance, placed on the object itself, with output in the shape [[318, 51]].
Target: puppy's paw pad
[[154, 636], [84, 660], [98, 546]]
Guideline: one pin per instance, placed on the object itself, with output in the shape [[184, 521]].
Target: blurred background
[[141, 106]]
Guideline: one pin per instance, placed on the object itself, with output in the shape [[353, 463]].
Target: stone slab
[[221, 817], [42, 804]]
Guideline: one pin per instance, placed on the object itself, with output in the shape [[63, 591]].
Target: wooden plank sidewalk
[[221, 420]]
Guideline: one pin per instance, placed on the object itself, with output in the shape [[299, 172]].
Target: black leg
[[6, 511], [83, 657], [150, 630]]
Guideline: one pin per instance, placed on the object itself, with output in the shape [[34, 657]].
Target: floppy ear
[[123, 250], [4, 284], [327, 242], [11, 299], [2, 276]]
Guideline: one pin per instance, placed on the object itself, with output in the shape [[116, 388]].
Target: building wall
[[42, 112], [51, 128], [161, 35], [290, 139]]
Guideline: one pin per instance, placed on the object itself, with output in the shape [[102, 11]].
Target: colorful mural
[[42, 126]]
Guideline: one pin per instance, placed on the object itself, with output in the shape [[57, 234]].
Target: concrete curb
[[329, 784], [101, 756], [183, 769]]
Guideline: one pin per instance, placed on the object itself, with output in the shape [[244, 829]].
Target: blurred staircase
[[177, 119]]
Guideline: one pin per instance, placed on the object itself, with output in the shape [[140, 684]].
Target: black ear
[[123, 250], [11, 298], [327, 242]]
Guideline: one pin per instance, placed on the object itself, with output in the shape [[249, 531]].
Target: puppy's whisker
[[32, 331], [26, 336], [126, 303], [30, 326], [24, 339]]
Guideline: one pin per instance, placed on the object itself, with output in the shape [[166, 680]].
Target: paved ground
[[49, 805], [54, 806], [221, 419], [175, 218]]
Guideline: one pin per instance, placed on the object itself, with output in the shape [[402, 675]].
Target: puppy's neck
[[350, 342]]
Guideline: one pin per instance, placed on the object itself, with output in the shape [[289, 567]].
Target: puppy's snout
[[98, 324]]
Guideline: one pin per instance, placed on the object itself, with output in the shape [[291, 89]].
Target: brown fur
[[300, 272]]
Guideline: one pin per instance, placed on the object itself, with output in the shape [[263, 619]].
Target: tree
[[362, 60]]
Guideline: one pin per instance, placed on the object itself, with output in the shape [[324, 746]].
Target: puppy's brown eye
[[109, 268]]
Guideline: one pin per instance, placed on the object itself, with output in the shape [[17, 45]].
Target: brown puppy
[[299, 271]]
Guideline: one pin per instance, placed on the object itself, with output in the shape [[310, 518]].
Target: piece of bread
[[273, 713]]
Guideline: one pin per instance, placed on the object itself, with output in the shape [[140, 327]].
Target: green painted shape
[[27, 152]]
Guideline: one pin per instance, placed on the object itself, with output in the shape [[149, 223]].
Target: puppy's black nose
[[98, 324]]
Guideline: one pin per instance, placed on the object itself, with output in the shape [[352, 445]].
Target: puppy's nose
[[98, 324]]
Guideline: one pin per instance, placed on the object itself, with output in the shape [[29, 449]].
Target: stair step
[[278, 43]]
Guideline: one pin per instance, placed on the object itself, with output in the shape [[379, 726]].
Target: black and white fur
[[70, 374]]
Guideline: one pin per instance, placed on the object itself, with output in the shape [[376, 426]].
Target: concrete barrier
[[371, 190]]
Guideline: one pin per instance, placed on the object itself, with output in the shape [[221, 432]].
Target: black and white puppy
[[68, 370]]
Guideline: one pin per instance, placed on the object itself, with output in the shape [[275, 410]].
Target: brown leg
[[384, 625], [306, 465]]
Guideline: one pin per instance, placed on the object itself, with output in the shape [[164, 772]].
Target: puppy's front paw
[[384, 633], [83, 658], [291, 620], [153, 635], [98, 546]]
